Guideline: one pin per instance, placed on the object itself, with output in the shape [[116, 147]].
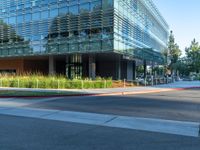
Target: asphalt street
[[177, 105], [19, 133], [23, 133]]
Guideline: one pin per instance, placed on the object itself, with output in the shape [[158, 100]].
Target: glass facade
[[139, 29], [41, 27]]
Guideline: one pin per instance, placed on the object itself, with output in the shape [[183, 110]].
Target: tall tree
[[174, 52], [193, 56], [165, 54]]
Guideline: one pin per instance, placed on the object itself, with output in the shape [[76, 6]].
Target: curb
[[49, 96], [106, 94], [135, 93]]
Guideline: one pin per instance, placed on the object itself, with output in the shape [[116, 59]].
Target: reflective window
[[52, 1], [63, 3], [108, 45], [64, 34], [73, 10], [36, 37], [53, 47], [63, 47], [84, 8], [27, 17], [36, 48], [73, 47], [12, 20], [37, 3], [53, 13], [21, 6], [84, 1], [28, 5], [44, 14], [95, 46], [95, 5], [107, 4], [36, 16], [5, 20], [12, 8], [20, 19], [107, 33], [44, 2], [63, 11], [84, 46], [73, 2]]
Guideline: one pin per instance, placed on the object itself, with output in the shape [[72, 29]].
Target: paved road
[[177, 105], [19, 133]]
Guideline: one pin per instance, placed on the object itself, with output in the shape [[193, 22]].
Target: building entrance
[[75, 67]]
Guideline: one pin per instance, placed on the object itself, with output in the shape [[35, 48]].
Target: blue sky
[[183, 17]]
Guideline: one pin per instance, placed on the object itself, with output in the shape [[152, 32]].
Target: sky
[[183, 17]]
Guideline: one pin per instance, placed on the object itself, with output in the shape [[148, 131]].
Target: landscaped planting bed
[[52, 82]]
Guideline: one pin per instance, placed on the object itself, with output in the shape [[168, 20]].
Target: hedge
[[52, 82]]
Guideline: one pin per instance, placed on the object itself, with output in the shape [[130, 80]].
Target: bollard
[[105, 84], [1, 83], [82, 84], [58, 84], [124, 83], [138, 83], [37, 86], [152, 80], [18, 83]]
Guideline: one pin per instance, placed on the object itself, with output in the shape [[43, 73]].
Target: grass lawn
[[30, 93]]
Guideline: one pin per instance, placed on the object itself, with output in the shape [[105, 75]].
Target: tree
[[165, 54], [174, 52], [183, 67], [193, 56]]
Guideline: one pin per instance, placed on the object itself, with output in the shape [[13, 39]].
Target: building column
[[67, 66], [145, 69], [129, 70], [118, 69], [92, 67], [134, 70], [52, 65], [152, 67]]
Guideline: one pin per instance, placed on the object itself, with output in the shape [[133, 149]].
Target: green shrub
[[52, 82]]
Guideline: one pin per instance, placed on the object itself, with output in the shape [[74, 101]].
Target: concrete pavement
[[21, 133]]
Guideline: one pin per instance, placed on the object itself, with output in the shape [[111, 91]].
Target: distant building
[[80, 38]]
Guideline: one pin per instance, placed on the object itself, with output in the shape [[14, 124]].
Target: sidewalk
[[181, 85], [149, 89]]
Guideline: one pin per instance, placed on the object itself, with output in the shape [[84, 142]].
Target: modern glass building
[[80, 38]]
